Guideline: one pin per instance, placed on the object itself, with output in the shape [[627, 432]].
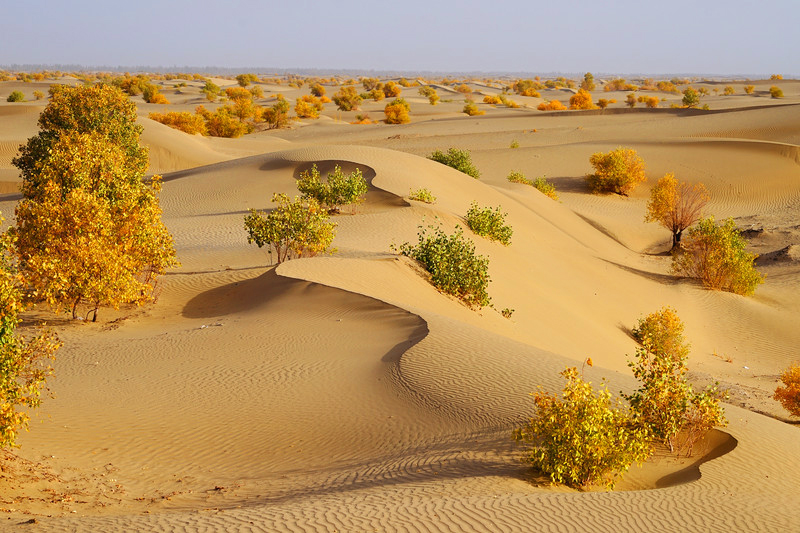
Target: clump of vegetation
[[24, 363], [514, 144], [588, 82], [463, 88], [748, 89], [460, 160], [277, 115], [430, 94], [690, 97], [666, 404], [729, 90], [221, 123], [397, 112], [489, 223], [507, 312], [715, 254], [246, 79], [552, 105], [471, 109], [582, 438], [581, 100], [776, 92], [540, 183], [603, 103], [649, 101], [317, 90], [789, 394], [294, 228], [347, 99], [211, 90], [338, 190], [423, 195], [16, 96], [454, 267], [391, 89], [491, 99], [630, 100], [184, 121], [776, 77], [618, 171], [527, 88], [676, 205], [38, 95], [151, 95], [84, 189], [308, 106], [619, 84]]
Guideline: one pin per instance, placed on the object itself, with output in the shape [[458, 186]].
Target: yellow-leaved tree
[[23, 362], [676, 205], [89, 227]]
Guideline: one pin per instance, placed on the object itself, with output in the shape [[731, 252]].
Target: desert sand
[[345, 393]]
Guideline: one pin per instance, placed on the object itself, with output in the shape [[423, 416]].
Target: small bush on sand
[[789, 393], [618, 171], [211, 90], [347, 99], [748, 89], [317, 90], [630, 100], [430, 94], [588, 82], [489, 223], [295, 228], [460, 160], [581, 100], [422, 195], [519, 177], [514, 144], [691, 98], [545, 187], [649, 101], [151, 95], [308, 106], [397, 112], [454, 267], [16, 96], [666, 404], [339, 189], [491, 99], [552, 105], [38, 95], [776, 92], [277, 115], [676, 205], [463, 88], [715, 254], [729, 90], [602, 103], [221, 123], [582, 438], [472, 110], [190, 123], [391, 89]]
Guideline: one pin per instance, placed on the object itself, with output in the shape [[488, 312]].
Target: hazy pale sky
[[626, 36]]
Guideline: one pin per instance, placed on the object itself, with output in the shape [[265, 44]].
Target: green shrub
[[507, 312], [294, 228], [666, 403], [489, 223], [690, 97], [423, 195], [716, 255], [619, 171], [16, 96], [336, 191], [460, 160], [452, 263], [514, 144], [582, 438]]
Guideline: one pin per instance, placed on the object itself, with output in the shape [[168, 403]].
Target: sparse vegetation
[[789, 394], [347, 99], [430, 94], [472, 110], [676, 205], [38, 95], [397, 112], [422, 195], [666, 403], [552, 105], [581, 100], [339, 189], [489, 223], [690, 97], [715, 254], [454, 267], [618, 171], [460, 160], [630, 100], [588, 82], [582, 438], [775, 92], [748, 89], [729, 90], [184, 121], [16, 96], [308, 106], [294, 228]]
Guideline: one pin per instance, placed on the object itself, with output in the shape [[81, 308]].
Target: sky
[[628, 36]]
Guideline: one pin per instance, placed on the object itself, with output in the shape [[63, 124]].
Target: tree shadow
[[654, 276]]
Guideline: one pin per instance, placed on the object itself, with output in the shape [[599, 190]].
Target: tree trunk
[[676, 240]]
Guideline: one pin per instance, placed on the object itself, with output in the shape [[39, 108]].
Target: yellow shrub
[[472, 110], [581, 100], [397, 112], [494, 100], [391, 89], [308, 106], [552, 105], [789, 394], [463, 88], [748, 89], [618, 171], [182, 120]]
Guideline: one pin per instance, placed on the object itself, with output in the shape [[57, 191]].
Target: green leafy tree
[[294, 228], [489, 223], [716, 255], [16, 96], [454, 267], [690, 97], [582, 438], [338, 189], [460, 160]]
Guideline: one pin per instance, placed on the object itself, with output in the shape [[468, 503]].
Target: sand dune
[[345, 393]]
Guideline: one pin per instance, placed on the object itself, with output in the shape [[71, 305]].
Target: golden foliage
[[308, 106], [182, 120], [397, 112], [552, 105], [618, 171], [789, 394], [676, 205], [581, 100], [391, 89], [472, 110]]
